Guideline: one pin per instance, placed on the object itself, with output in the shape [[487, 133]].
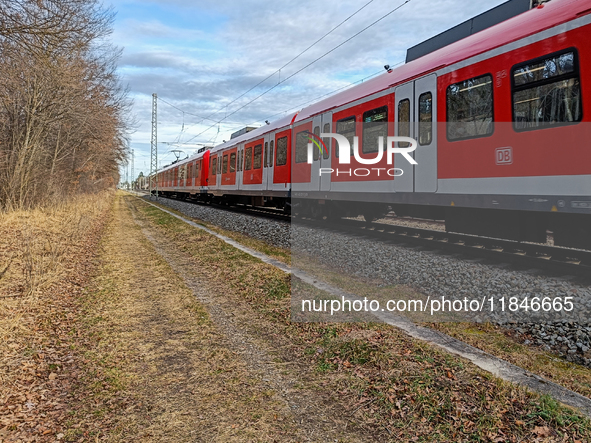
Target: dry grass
[[45, 258], [36, 242], [161, 332], [281, 254], [503, 343]]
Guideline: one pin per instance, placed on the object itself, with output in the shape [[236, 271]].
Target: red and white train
[[502, 120]]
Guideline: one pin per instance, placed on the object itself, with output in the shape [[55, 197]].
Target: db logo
[[504, 156]]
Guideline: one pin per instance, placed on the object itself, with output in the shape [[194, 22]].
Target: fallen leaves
[[543, 431]]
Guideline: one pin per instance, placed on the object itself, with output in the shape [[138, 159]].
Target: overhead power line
[[314, 99], [188, 113], [303, 68], [300, 54], [273, 73], [325, 95]]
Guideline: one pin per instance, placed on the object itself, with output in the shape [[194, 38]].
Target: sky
[[201, 56]]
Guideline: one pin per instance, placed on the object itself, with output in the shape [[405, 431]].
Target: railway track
[[576, 262], [273, 213], [529, 255]]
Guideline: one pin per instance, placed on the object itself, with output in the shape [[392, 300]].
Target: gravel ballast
[[435, 274]]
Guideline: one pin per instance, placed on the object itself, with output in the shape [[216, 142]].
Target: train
[[500, 121]]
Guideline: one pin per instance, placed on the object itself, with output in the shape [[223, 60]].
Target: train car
[[501, 120], [502, 124]]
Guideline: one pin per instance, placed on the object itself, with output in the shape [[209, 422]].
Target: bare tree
[[62, 109]]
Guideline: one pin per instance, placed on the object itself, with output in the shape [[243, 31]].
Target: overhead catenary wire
[[303, 68], [298, 56], [270, 75], [317, 98], [188, 113], [324, 95]]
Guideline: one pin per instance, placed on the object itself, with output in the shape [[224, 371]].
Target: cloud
[[237, 43]]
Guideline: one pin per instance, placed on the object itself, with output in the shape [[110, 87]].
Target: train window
[[258, 155], [266, 154], [214, 167], [547, 91], [301, 148], [326, 140], [281, 151], [271, 153], [225, 165], [233, 162], [470, 108], [239, 160], [248, 159], [404, 121], [196, 170], [346, 127], [375, 125], [425, 118]]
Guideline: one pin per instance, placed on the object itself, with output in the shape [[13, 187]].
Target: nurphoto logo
[[344, 149]]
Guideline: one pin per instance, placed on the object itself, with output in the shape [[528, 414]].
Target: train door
[[404, 112], [266, 160], [302, 172], [316, 154], [182, 176], [326, 122], [213, 167], [218, 177], [282, 164], [270, 169], [239, 166], [425, 111]]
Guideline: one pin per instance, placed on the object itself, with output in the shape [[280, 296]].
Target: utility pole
[[154, 148]]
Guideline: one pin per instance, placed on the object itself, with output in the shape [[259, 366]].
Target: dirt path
[[190, 360]]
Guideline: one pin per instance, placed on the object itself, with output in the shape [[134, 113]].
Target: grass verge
[[47, 255]]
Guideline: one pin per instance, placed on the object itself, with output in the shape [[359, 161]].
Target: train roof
[[258, 132], [535, 20]]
